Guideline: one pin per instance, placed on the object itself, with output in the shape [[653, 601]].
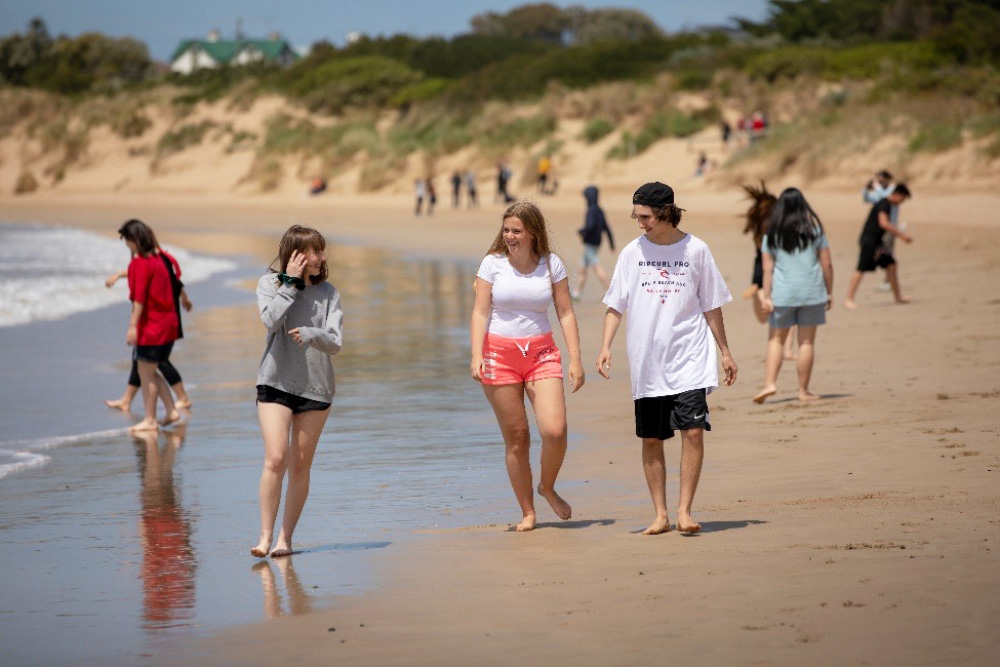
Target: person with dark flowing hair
[[514, 353], [154, 325], [758, 217], [798, 287], [295, 380]]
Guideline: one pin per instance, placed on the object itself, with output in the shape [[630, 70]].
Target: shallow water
[[113, 542]]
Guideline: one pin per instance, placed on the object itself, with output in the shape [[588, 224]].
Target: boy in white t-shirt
[[668, 283]]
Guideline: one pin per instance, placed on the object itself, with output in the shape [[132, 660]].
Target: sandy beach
[[859, 529]]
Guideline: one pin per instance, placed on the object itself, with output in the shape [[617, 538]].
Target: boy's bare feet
[[806, 396], [658, 527], [686, 524], [170, 418], [527, 523], [559, 506], [850, 304], [765, 393], [144, 425], [119, 404]]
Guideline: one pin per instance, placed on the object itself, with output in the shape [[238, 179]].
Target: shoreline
[[820, 540]]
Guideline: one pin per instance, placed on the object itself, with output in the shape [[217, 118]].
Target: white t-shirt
[[665, 289], [520, 300]]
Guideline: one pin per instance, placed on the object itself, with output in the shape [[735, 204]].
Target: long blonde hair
[[528, 213]]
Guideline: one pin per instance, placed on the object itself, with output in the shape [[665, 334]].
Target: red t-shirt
[[149, 285]]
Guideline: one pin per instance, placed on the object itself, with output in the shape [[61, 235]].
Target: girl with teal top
[[798, 286]]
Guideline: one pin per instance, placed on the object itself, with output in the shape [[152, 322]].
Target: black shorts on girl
[[152, 354], [294, 403], [659, 416]]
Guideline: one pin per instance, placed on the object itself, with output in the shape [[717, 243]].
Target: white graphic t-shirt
[[665, 289], [520, 300]]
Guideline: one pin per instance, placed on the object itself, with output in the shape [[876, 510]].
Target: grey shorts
[[786, 317], [589, 255]]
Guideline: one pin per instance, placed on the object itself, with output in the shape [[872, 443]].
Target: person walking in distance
[[874, 253], [798, 287], [595, 226]]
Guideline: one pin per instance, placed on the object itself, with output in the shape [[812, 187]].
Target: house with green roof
[[193, 54]]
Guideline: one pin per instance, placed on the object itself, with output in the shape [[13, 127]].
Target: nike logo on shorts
[[697, 417]]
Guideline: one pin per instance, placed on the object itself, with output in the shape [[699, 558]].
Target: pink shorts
[[520, 360]]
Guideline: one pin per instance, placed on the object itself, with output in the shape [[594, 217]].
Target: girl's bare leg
[[306, 429], [508, 406], [772, 363], [789, 352], [275, 422], [183, 401], [125, 402], [655, 469], [807, 344], [163, 393], [549, 401], [148, 377]]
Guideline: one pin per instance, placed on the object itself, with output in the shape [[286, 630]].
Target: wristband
[[291, 280]]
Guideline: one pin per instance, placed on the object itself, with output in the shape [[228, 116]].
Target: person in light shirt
[[668, 284], [514, 353]]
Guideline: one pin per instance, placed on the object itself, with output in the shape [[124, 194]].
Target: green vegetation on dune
[[506, 83]]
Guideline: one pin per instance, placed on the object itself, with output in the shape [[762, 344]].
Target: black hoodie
[[594, 222]]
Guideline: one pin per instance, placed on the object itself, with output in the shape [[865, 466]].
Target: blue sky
[[161, 24]]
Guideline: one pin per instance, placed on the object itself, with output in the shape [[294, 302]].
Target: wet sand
[[861, 528]]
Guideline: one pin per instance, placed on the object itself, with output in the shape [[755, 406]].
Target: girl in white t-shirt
[[514, 353]]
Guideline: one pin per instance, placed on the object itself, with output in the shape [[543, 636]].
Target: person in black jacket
[[594, 226]]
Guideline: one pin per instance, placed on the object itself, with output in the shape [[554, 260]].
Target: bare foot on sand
[[144, 425], [850, 305], [281, 552], [903, 299], [527, 523], [119, 404], [658, 527], [789, 355], [559, 506], [170, 418], [765, 393], [686, 524], [182, 405], [262, 549], [805, 396]]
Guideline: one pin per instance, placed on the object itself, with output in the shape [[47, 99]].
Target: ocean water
[[113, 543], [49, 273]]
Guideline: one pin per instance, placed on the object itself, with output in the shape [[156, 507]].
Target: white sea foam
[[12, 462], [48, 273], [19, 455]]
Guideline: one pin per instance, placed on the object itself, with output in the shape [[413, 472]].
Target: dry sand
[[859, 529]]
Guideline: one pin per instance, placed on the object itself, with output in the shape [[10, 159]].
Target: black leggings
[[170, 373]]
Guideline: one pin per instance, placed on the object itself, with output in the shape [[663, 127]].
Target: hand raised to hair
[[296, 264]]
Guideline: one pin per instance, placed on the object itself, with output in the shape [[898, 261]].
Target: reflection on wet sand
[[168, 564], [299, 601]]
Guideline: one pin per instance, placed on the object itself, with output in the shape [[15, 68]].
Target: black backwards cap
[[655, 194]]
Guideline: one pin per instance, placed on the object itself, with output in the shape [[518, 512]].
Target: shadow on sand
[[719, 526], [570, 524], [793, 400], [355, 546]]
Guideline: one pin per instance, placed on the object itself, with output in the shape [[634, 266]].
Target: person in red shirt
[[153, 327]]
